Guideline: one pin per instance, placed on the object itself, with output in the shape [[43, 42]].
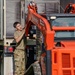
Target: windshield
[[65, 34], [66, 22]]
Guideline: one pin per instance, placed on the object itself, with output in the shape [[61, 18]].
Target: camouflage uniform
[[19, 55]]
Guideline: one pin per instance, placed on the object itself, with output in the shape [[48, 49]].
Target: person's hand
[[23, 31]]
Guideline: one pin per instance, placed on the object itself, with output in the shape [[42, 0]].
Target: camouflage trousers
[[19, 61]]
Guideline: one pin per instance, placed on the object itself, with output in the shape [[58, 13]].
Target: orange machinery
[[59, 39], [70, 8]]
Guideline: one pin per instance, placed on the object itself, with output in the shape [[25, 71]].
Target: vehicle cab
[[60, 59]]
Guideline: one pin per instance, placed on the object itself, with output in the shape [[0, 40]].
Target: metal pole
[[48, 63]]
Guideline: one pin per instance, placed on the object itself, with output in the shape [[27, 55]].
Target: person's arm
[[18, 38]]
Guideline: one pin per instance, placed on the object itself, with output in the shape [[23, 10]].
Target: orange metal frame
[[63, 61], [70, 6], [42, 24]]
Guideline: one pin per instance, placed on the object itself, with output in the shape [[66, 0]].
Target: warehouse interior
[[16, 10]]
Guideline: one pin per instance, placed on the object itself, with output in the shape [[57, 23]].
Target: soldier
[[19, 52]]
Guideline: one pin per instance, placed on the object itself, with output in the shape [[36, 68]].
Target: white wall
[[13, 13]]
